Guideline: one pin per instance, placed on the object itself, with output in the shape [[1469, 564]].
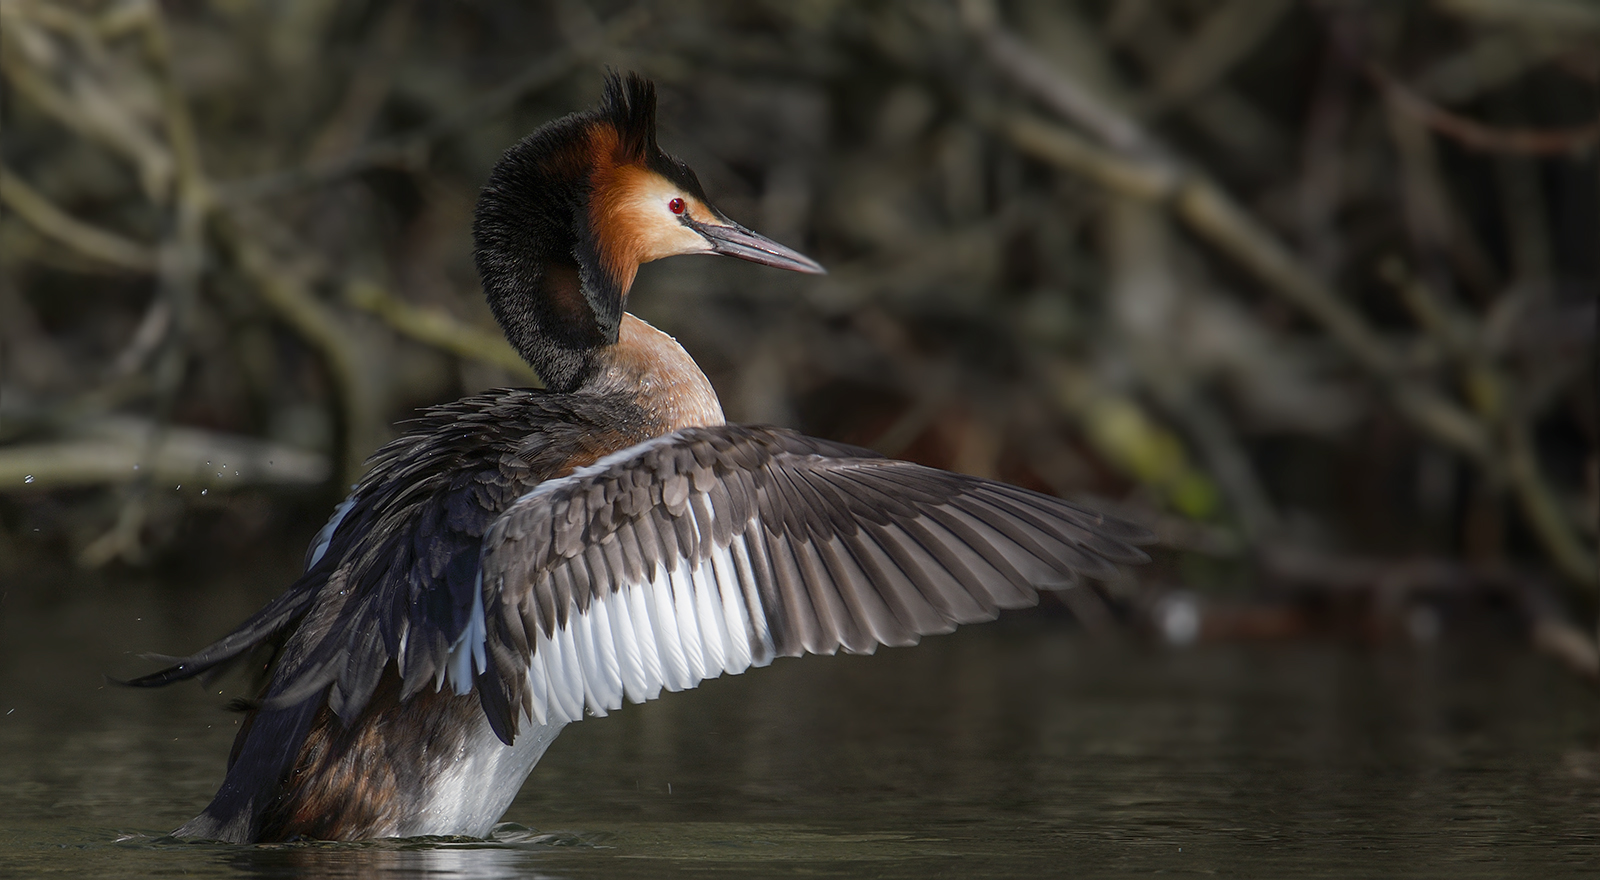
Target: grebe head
[[571, 212]]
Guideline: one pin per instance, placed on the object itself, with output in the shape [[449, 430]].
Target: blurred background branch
[[1306, 281]]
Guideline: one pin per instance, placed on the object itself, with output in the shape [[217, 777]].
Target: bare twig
[[1215, 216], [1495, 59], [1468, 132], [1486, 386], [1544, 511], [184, 456], [368, 86], [1062, 94], [1148, 299], [1476, 135], [1189, 72], [439, 329], [1227, 35], [86, 239], [180, 261], [288, 292], [147, 337], [87, 105], [407, 149], [1569, 644], [1220, 220], [1153, 181]]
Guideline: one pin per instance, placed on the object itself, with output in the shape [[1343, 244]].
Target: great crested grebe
[[522, 555]]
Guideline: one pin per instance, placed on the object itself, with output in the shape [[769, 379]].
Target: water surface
[[1020, 748]]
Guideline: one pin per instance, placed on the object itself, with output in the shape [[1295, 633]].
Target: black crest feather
[[629, 105]]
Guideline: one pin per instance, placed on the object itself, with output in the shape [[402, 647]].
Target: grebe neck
[[653, 368]]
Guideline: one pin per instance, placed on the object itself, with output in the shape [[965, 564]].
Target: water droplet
[[135, 467], [28, 478]]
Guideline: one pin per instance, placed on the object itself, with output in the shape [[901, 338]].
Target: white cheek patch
[[657, 231]]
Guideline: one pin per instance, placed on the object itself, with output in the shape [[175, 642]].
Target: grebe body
[[523, 557]]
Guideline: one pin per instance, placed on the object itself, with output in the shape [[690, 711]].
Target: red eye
[[675, 206]]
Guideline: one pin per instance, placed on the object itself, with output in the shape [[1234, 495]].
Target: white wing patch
[[466, 654], [678, 628]]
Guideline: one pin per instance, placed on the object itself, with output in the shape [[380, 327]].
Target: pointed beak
[[734, 240]]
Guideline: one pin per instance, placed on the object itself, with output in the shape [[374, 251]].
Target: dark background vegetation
[[1307, 287]]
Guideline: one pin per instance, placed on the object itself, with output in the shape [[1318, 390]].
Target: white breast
[[469, 797]]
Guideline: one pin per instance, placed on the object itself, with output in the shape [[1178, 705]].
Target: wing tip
[[1129, 532], [177, 669]]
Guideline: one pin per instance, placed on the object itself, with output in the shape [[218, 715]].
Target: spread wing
[[711, 550]]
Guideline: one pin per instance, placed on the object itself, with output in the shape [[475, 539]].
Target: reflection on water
[[506, 857], [1018, 748]]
